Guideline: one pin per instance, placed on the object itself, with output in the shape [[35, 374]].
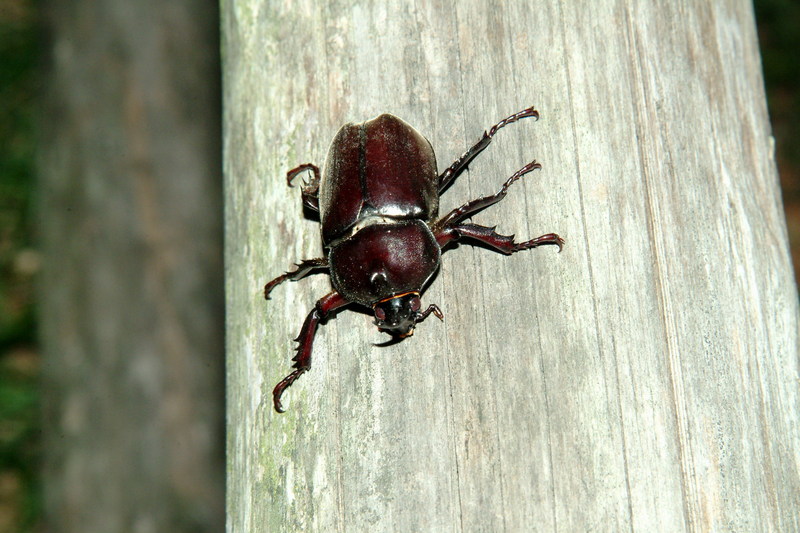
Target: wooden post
[[644, 379]]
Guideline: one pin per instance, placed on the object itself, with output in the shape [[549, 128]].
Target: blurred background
[[58, 232], [111, 275]]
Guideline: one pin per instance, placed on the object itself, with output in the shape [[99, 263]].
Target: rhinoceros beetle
[[378, 201]]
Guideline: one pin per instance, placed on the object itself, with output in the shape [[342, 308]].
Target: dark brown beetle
[[378, 200]]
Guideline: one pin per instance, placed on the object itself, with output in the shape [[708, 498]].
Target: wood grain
[[644, 379]]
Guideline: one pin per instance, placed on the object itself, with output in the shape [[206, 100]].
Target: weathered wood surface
[[131, 300], [644, 379]]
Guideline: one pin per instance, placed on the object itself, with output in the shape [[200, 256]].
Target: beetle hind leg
[[310, 189]]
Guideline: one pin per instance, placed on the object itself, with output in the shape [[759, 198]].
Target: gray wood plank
[[644, 379]]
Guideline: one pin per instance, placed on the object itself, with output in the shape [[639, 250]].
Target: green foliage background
[[19, 359]]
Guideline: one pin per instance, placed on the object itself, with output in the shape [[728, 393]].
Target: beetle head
[[398, 315]]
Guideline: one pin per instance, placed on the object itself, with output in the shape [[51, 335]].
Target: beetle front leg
[[306, 267], [502, 243], [310, 190], [433, 308], [302, 361], [459, 165]]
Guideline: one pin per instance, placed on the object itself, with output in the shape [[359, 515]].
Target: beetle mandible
[[378, 201]]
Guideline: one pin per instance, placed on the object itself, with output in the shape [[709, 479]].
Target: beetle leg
[[302, 361], [433, 308], [448, 176], [305, 268], [470, 208], [310, 190], [502, 243]]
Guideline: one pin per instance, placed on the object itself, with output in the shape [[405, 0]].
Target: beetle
[[378, 202]]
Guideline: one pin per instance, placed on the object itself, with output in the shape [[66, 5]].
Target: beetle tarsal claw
[[282, 385]]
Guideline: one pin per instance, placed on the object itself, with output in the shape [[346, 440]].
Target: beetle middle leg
[[306, 267], [459, 165], [302, 361], [310, 190], [470, 208], [449, 227]]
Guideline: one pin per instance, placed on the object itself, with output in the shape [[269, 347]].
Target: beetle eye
[[415, 303], [380, 314]]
